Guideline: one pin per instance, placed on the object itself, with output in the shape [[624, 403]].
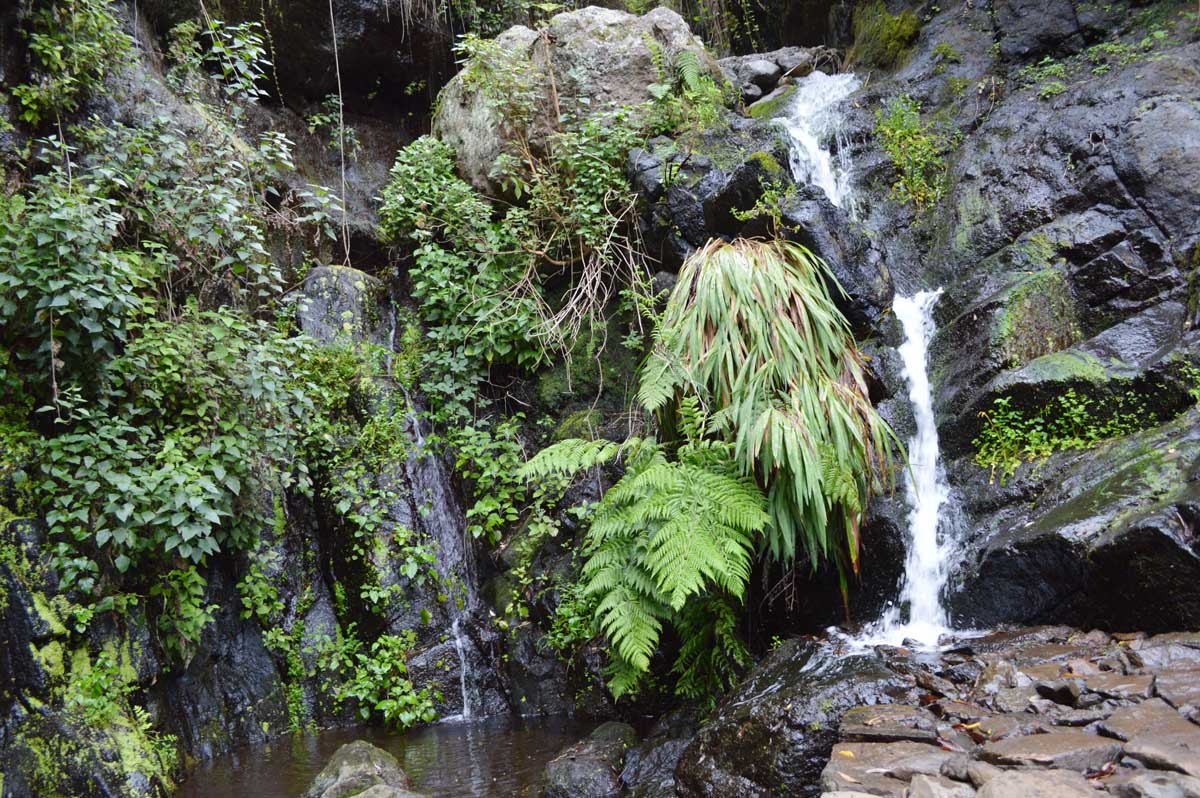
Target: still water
[[495, 758]]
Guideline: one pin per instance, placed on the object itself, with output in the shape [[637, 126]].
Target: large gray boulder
[[361, 769], [582, 63]]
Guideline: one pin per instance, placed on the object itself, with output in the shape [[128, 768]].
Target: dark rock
[[812, 220], [379, 48], [357, 768], [1029, 30], [649, 770], [230, 693], [774, 732], [1061, 691], [592, 767]]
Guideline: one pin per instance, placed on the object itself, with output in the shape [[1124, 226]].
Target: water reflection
[[496, 758]]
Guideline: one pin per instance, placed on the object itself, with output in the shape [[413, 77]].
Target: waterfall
[[465, 683], [812, 121], [926, 565]]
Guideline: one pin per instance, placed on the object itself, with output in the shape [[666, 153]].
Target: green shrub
[[1011, 436], [915, 149], [72, 45]]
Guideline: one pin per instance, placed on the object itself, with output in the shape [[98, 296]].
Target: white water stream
[[813, 121], [927, 564]]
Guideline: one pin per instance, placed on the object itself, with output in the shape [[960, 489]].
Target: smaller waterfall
[[465, 683], [812, 121], [926, 565]]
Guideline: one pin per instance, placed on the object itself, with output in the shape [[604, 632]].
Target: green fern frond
[[569, 457], [687, 65]]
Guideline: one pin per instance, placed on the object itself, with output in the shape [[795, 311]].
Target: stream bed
[[492, 758]]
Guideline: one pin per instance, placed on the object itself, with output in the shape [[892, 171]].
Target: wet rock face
[[698, 192], [772, 735], [361, 769], [381, 46]]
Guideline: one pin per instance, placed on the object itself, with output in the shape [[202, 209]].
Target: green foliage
[[916, 150], [946, 55], [73, 45], [68, 291], [686, 99], [752, 331], [184, 613], [882, 39], [379, 683], [668, 536], [1011, 436], [329, 122]]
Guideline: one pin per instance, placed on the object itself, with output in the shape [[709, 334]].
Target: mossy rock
[[882, 39], [773, 104], [1039, 316], [580, 424]]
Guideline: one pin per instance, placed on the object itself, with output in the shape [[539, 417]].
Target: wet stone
[[1149, 717], [888, 723], [1070, 750], [934, 787], [869, 767], [1154, 784], [1131, 687], [1179, 751], [1033, 784], [1061, 691], [1179, 688]]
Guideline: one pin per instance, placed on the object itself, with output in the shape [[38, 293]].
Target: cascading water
[[812, 122], [926, 565]]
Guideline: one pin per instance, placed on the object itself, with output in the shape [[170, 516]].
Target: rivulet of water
[[814, 124], [920, 615]]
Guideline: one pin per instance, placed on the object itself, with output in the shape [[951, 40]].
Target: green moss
[[48, 612], [768, 162], [1039, 314], [51, 658], [771, 106], [1066, 367], [881, 39], [580, 424]]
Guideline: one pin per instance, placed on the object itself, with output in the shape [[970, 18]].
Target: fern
[[669, 533], [751, 328], [687, 66]]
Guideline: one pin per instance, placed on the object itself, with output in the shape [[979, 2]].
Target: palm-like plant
[[752, 331]]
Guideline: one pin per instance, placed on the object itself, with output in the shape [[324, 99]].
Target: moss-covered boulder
[[582, 63]]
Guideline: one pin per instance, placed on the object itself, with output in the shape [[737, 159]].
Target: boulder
[[773, 733], [591, 768], [359, 769], [1154, 784], [649, 770], [582, 63], [342, 304]]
